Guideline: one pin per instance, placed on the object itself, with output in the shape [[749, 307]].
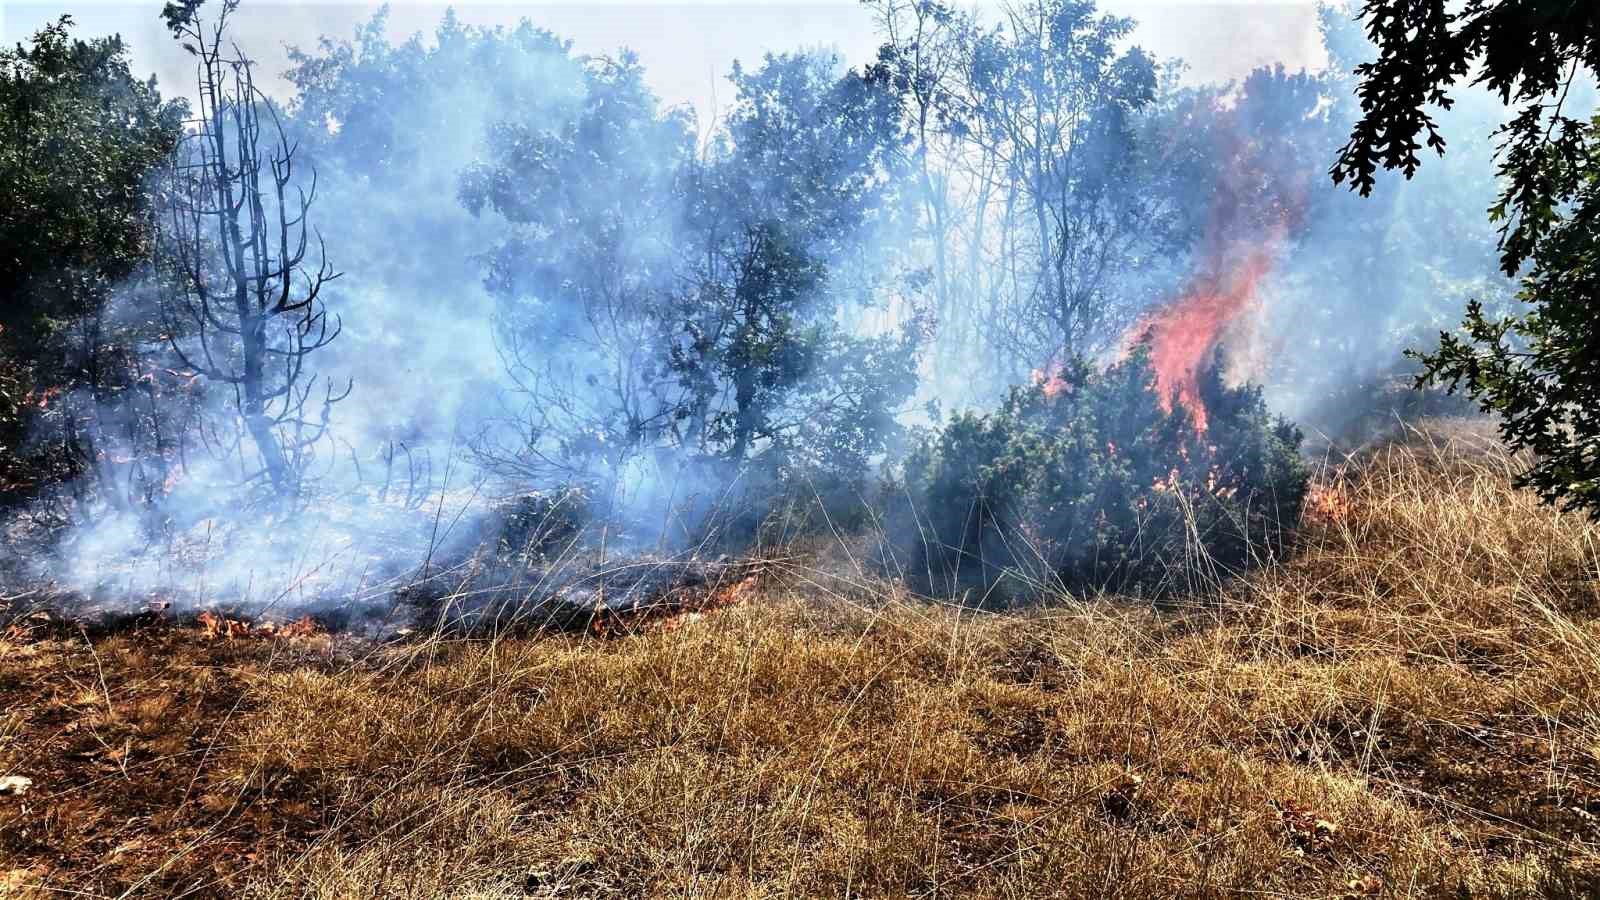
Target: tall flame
[[1257, 201], [1183, 335]]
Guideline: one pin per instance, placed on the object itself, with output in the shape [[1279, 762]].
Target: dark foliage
[[79, 135], [541, 526], [1085, 482]]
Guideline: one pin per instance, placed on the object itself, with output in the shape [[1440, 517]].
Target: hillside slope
[[1408, 707]]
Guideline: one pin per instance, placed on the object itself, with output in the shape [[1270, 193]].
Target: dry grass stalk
[[1407, 708]]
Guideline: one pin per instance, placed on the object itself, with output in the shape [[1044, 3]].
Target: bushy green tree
[[789, 213], [803, 173], [1085, 481], [79, 136]]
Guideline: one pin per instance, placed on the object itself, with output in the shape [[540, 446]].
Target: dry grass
[[1408, 707]]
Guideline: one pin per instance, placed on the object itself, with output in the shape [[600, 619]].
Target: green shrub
[[1085, 482]]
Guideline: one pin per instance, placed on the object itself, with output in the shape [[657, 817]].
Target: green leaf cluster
[[79, 137]]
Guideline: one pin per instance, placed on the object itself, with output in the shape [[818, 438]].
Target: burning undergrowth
[[603, 599], [598, 601], [1325, 733], [1158, 471], [1092, 481], [460, 563], [1153, 474]]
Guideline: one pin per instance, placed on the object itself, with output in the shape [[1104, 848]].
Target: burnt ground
[[117, 730]]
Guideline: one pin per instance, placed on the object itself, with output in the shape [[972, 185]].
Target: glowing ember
[[42, 399], [1049, 378], [216, 627], [1327, 503]]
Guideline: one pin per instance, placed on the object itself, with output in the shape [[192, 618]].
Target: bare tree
[[245, 310]]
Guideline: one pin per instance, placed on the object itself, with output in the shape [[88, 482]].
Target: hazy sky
[[685, 45]]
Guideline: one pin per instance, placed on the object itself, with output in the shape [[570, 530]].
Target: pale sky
[[686, 46]]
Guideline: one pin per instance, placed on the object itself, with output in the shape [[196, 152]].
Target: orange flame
[[42, 399], [1183, 335], [1050, 381], [215, 627], [1327, 503], [1257, 202]]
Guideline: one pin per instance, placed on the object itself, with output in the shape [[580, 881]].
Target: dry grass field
[[1407, 707]]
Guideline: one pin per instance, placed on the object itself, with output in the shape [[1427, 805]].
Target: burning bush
[[540, 525], [1085, 481]]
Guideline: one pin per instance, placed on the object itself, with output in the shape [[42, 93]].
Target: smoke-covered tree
[[923, 57], [776, 207], [1035, 179], [79, 135], [590, 190], [1054, 100], [1537, 371], [412, 117], [645, 290], [244, 277], [658, 296], [1346, 367]]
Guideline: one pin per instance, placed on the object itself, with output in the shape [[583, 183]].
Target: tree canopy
[[78, 137]]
